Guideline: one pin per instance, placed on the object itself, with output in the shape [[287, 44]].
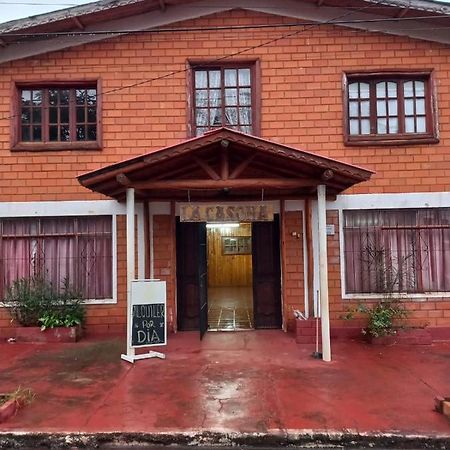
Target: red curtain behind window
[[75, 249]]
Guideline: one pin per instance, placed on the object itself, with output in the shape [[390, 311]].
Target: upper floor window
[[224, 96], [57, 117], [389, 108]]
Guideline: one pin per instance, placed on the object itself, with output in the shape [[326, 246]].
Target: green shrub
[[36, 301], [382, 317]]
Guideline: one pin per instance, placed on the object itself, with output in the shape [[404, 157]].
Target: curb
[[310, 438]]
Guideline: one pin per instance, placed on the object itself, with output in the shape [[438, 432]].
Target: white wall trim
[[294, 205], [61, 208], [385, 201], [391, 201], [159, 208]]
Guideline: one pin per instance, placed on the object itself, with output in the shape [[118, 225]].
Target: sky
[[18, 9]]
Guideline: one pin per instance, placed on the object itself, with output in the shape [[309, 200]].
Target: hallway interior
[[230, 308]]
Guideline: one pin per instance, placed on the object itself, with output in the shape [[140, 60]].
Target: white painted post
[[323, 272], [152, 250], [131, 275]]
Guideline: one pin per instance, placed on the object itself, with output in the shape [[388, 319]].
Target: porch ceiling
[[224, 164]]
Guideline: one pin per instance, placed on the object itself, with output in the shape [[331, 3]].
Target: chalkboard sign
[[148, 313], [148, 325]]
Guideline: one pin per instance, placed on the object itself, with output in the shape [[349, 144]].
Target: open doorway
[[230, 277]]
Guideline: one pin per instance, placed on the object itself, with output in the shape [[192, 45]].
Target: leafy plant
[[35, 300], [382, 317]]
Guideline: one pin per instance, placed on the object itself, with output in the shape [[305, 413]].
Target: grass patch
[[23, 396]]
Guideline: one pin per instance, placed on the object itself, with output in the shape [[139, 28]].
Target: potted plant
[[45, 312]]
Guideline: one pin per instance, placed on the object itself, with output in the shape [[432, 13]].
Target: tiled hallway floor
[[230, 308]]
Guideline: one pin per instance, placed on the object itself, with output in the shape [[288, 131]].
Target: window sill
[[418, 297], [382, 140], [54, 146]]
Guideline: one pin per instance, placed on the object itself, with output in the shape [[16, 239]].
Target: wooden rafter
[[243, 183], [187, 168], [207, 168], [242, 166]]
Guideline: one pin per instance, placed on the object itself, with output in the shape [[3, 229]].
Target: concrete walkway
[[241, 382]]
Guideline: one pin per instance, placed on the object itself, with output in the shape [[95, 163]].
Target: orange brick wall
[[301, 94], [165, 262], [301, 97], [293, 276]]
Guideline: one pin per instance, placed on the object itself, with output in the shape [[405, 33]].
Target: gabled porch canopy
[[224, 164]]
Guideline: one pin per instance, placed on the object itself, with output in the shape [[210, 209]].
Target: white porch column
[[131, 274], [323, 272]]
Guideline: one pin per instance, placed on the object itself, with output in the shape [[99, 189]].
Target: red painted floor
[[242, 381]]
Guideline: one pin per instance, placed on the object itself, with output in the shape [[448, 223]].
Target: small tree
[[389, 274]]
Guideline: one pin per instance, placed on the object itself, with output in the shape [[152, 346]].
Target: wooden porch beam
[[162, 5], [123, 179], [242, 166], [327, 174], [244, 183], [207, 168]]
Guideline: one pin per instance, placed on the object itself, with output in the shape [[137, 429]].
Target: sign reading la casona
[[194, 212]]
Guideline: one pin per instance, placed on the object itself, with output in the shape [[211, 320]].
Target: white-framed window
[[73, 250], [397, 242], [397, 250], [66, 241]]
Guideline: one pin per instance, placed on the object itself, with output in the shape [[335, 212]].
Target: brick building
[[266, 106]]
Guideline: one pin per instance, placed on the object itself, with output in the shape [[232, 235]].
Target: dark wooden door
[[203, 279], [191, 275], [266, 274]]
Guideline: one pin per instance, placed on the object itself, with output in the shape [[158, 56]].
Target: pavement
[[231, 388]]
